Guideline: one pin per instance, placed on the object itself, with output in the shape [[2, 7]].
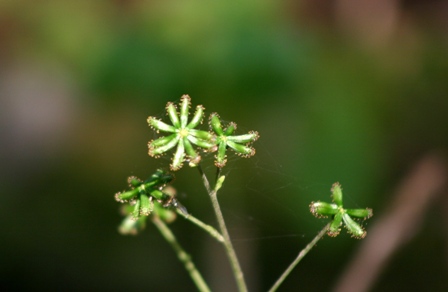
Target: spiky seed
[[158, 125], [360, 213], [179, 156], [353, 228], [172, 114], [334, 228], [247, 138], [197, 117], [185, 102], [215, 124], [336, 193], [323, 209], [230, 129], [157, 150]]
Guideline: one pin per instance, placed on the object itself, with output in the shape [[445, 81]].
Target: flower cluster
[[225, 139], [183, 135], [146, 198], [339, 214]]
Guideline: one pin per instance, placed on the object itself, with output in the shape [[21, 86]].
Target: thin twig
[[204, 179], [218, 173], [181, 254], [301, 255], [209, 229], [233, 259]]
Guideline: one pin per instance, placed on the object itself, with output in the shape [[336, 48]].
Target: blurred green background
[[349, 91]]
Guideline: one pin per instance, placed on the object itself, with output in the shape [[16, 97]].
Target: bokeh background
[[344, 90]]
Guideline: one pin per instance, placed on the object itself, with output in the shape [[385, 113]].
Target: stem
[[209, 229], [218, 173], [204, 179], [237, 272], [181, 254], [301, 255]]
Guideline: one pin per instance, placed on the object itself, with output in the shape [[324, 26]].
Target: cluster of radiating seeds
[[240, 144], [183, 134], [340, 215], [143, 194]]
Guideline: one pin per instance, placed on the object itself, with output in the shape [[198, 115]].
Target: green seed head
[[215, 124], [323, 209], [185, 102], [146, 205], [353, 227], [134, 181], [183, 134], [172, 114], [360, 213], [123, 197], [336, 193], [197, 117], [335, 225], [129, 226], [340, 215]]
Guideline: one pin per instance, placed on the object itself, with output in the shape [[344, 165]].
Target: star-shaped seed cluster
[[182, 134], [144, 196], [340, 215], [225, 139]]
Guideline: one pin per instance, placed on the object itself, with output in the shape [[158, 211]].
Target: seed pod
[[336, 194], [353, 227], [185, 102], [172, 114], [323, 209], [125, 196], [334, 228], [360, 213], [215, 123], [145, 205], [197, 117]]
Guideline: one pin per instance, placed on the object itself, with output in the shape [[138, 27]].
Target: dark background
[[348, 91]]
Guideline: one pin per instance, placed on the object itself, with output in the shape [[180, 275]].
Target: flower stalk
[[184, 257], [299, 257], [207, 228], [230, 251]]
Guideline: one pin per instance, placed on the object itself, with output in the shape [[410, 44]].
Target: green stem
[[209, 229], [218, 173], [204, 179], [233, 259], [301, 255], [181, 254]]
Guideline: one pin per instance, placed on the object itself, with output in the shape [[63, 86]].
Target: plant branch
[[209, 229], [204, 179], [218, 173], [301, 255], [181, 254], [233, 259]]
